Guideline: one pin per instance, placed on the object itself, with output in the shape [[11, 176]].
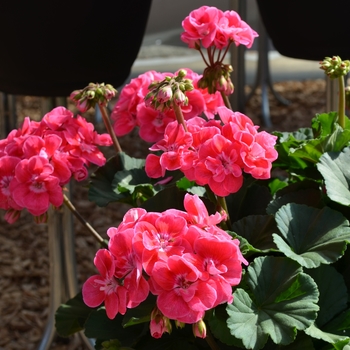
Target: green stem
[[225, 52], [223, 205], [205, 61], [179, 116], [341, 104], [72, 208], [109, 128], [226, 100], [211, 341]]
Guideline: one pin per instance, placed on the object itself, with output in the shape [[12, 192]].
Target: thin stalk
[[210, 55], [72, 208], [341, 103], [223, 205], [225, 52], [204, 59], [179, 116], [109, 128], [211, 341], [226, 100]]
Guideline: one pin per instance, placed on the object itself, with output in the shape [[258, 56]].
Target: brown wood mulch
[[24, 264]]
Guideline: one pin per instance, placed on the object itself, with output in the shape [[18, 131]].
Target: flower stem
[[226, 100], [205, 61], [71, 207], [109, 128], [341, 104], [211, 341], [179, 116], [223, 205]]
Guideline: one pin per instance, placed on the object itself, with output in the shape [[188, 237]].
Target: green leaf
[[334, 141], [281, 300], [301, 342], [311, 236], [127, 180], [99, 326], [190, 186], [302, 192], [217, 322], [334, 167], [342, 345], [141, 313], [257, 230], [70, 317], [288, 141], [168, 198], [276, 185], [324, 124], [340, 324], [102, 189], [251, 199], [333, 293], [314, 332]]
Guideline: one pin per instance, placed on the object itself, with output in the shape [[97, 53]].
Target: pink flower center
[[181, 282], [164, 239], [108, 286], [226, 162], [4, 185], [37, 187], [158, 120]]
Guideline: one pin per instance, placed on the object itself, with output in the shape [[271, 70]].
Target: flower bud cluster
[[93, 94], [168, 91], [217, 78], [131, 111], [335, 67]]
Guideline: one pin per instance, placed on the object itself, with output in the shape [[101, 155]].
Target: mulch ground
[[24, 264]]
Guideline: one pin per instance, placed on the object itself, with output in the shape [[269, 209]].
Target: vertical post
[[332, 94], [238, 99], [54, 227], [63, 272]]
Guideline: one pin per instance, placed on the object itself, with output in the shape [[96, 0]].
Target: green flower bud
[[334, 67]]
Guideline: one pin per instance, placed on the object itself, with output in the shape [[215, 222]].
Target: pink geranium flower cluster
[[39, 158], [132, 111], [214, 153], [209, 26], [182, 257]]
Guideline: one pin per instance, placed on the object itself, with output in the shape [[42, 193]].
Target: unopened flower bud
[[180, 98], [41, 219], [199, 329], [179, 324], [93, 94], [159, 324], [182, 73], [164, 94], [12, 215], [90, 94], [334, 67]]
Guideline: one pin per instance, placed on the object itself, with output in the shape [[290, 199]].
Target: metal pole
[[332, 94], [237, 99]]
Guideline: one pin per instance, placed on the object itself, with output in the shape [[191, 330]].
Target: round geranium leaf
[[311, 236], [281, 300], [257, 230], [334, 167], [333, 293]]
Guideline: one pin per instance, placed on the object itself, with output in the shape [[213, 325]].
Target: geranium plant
[[235, 237]]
